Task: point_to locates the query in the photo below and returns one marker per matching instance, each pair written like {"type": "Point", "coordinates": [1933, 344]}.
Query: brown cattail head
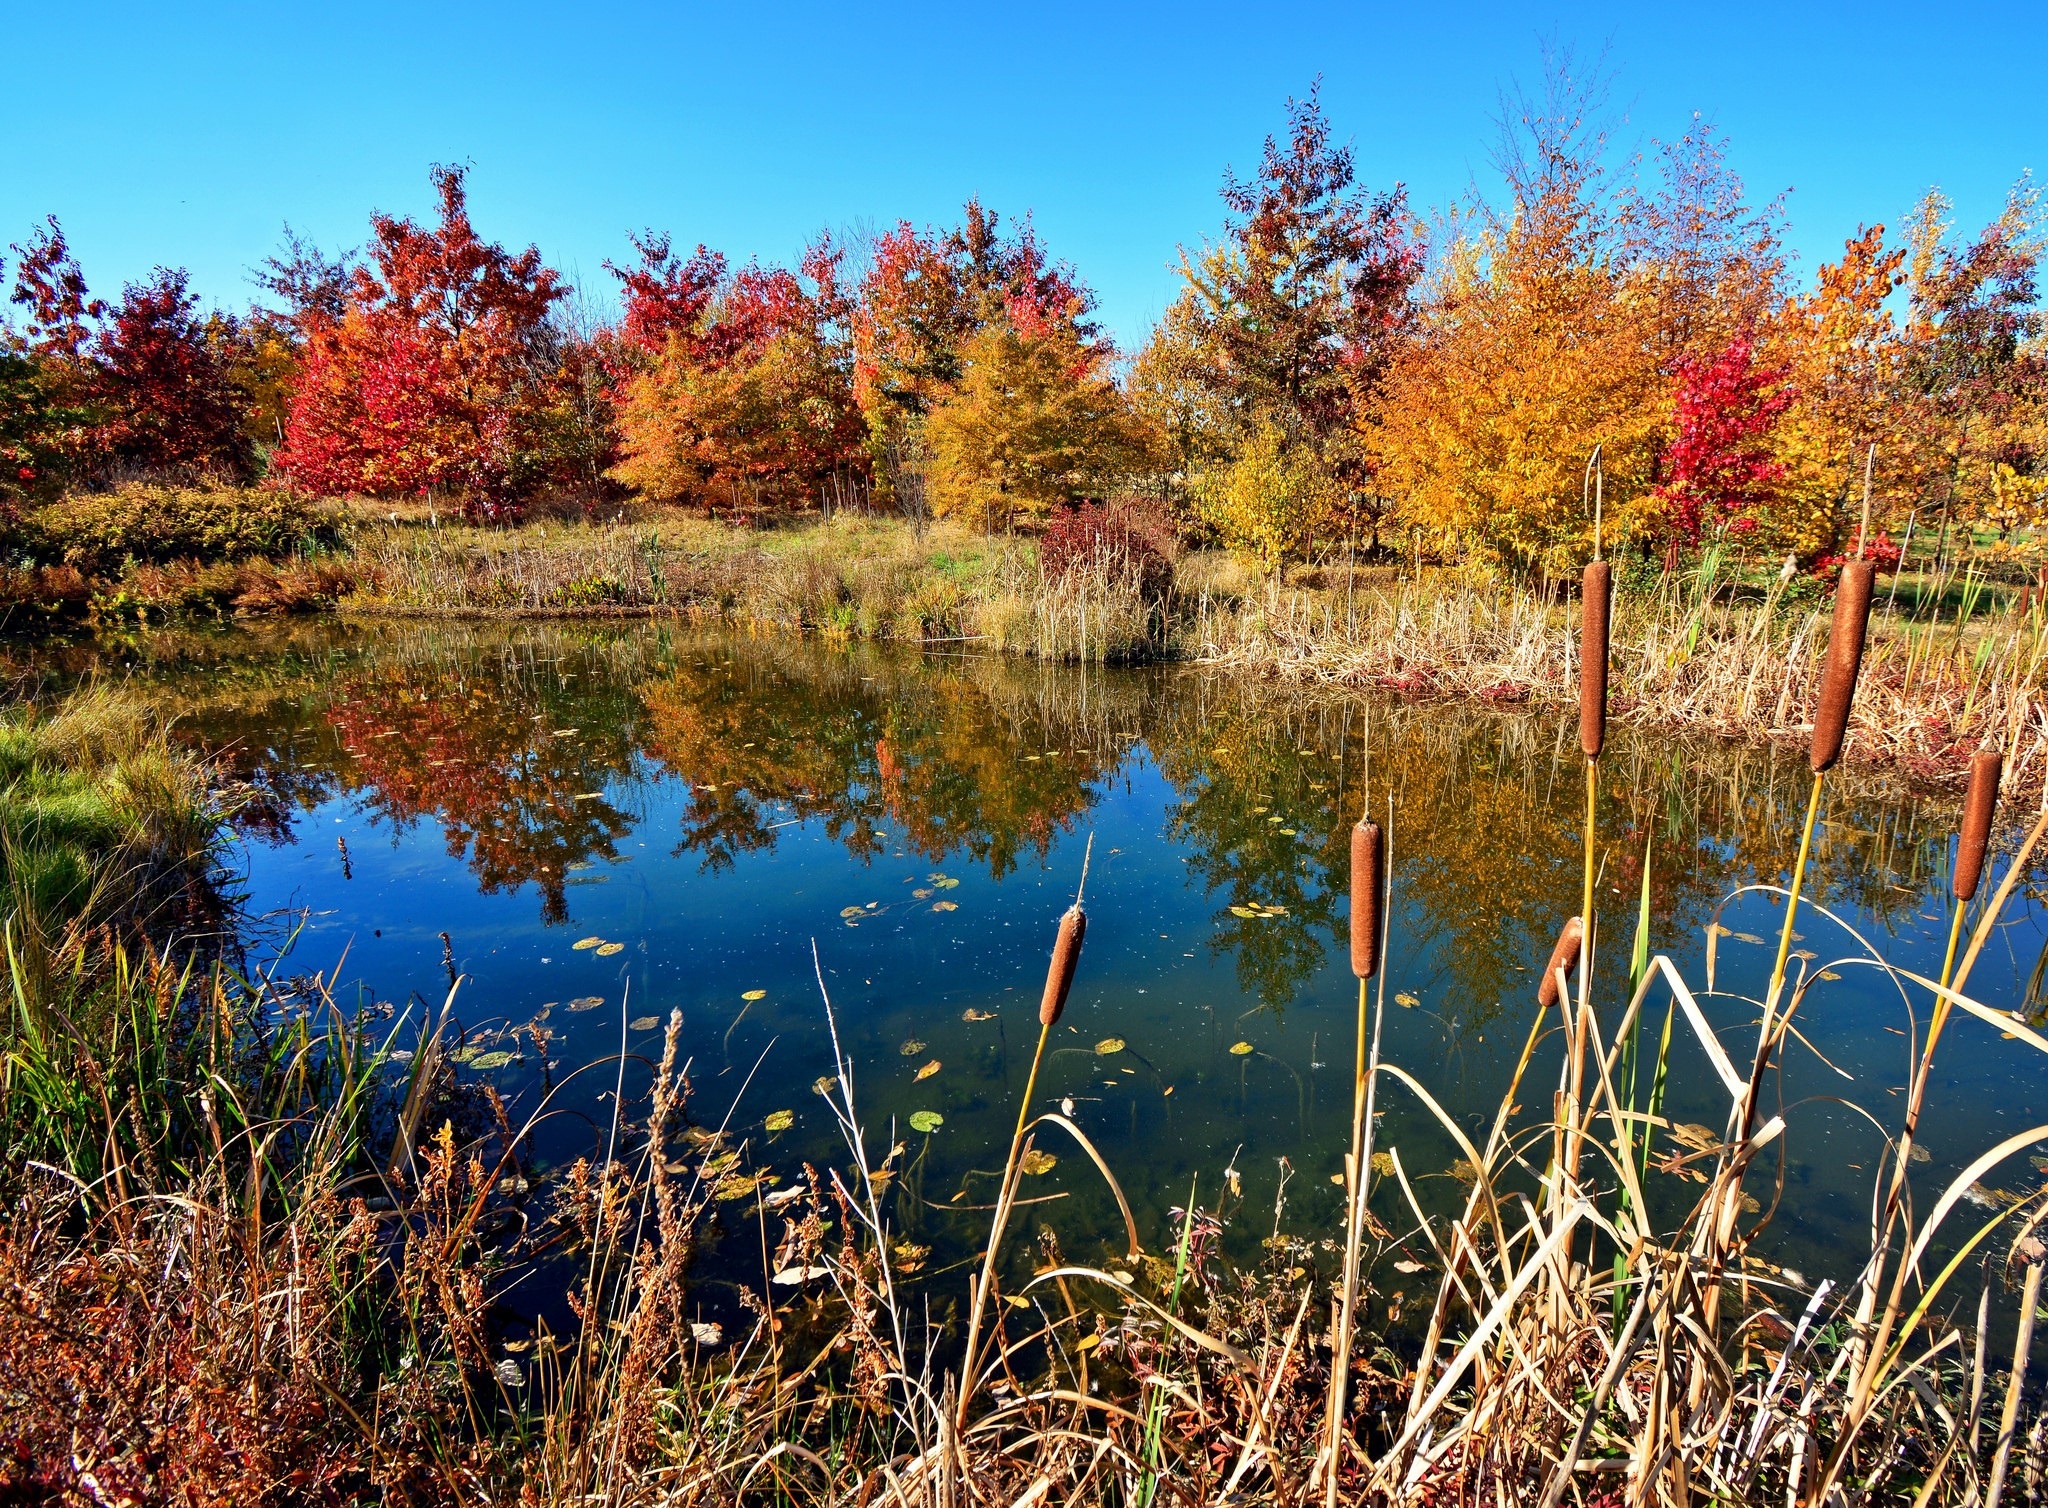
{"type": "Point", "coordinates": [1986, 766]}
{"type": "Point", "coordinates": [1368, 883]}
{"type": "Point", "coordinates": [1066, 955]}
{"type": "Point", "coordinates": [1845, 659]}
{"type": "Point", "coordinates": [1565, 956]}
{"type": "Point", "coordinates": [1594, 609]}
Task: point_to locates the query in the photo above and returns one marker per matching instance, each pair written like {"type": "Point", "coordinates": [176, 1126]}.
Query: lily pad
{"type": "Point", "coordinates": [1109, 1045]}
{"type": "Point", "coordinates": [926, 1121]}
{"type": "Point", "coordinates": [779, 1120]}
{"type": "Point", "coordinates": [944, 906]}
{"type": "Point", "coordinates": [1240, 1049]}
{"type": "Point", "coordinates": [1036, 1162]}
{"type": "Point", "coordinates": [486, 1061]}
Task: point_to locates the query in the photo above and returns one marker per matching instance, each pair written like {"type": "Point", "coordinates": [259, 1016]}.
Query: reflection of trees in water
{"type": "Point", "coordinates": [465, 726]}
{"type": "Point", "coordinates": [949, 757]}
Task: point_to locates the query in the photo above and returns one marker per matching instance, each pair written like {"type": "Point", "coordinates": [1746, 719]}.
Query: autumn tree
{"type": "Point", "coordinates": [1534, 347]}
{"type": "Point", "coordinates": [737, 389]}
{"type": "Point", "coordinates": [436, 376]}
{"type": "Point", "coordinates": [1035, 421]}
{"type": "Point", "coordinates": [1720, 468]}
{"type": "Point", "coordinates": [1284, 328]}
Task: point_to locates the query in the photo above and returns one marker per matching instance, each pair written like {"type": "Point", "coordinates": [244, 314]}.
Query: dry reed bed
{"type": "Point", "coordinates": [1929, 695]}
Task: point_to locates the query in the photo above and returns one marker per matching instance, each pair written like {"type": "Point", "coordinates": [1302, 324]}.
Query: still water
{"type": "Point", "coordinates": [598, 825]}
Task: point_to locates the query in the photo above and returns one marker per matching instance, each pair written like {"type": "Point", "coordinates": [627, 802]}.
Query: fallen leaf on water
{"type": "Point", "coordinates": [1383, 1164]}
{"type": "Point", "coordinates": [1244, 911]}
{"type": "Point", "coordinates": [911, 1048]}
{"type": "Point", "coordinates": [1829, 974]}
{"type": "Point", "coordinates": [922, 893]}
{"type": "Point", "coordinates": [1109, 1045]}
{"type": "Point", "coordinates": [587, 942]}
{"type": "Point", "coordinates": [1036, 1161]}
{"type": "Point", "coordinates": [791, 1276]}
{"type": "Point", "coordinates": [1406, 1266]}
{"type": "Point", "coordinates": [489, 1060]}
{"type": "Point", "coordinates": [1118, 1275]}
{"type": "Point", "coordinates": [737, 1188]}
{"type": "Point", "coordinates": [848, 911]}
{"type": "Point", "coordinates": [1338, 1179]}
{"type": "Point", "coordinates": [1287, 832]}
{"type": "Point", "coordinates": [927, 1071]}
{"type": "Point", "coordinates": [780, 1197]}
{"type": "Point", "coordinates": [586, 1002]}
{"type": "Point", "coordinates": [944, 906]}
{"type": "Point", "coordinates": [779, 1120]}
{"type": "Point", "coordinates": [1404, 998]}
{"type": "Point", "coordinates": [971, 1014]}
{"type": "Point", "coordinates": [1240, 1049]}
{"type": "Point", "coordinates": [947, 882]}
{"type": "Point", "coordinates": [610, 948]}
{"type": "Point", "coordinates": [824, 1084]}
{"type": "Point", "coordinates": [926, 1121]}
{"type": "Point", "coordinates": [1088, 1343]}
{"type": "Point", "coordinates": [1017, 1301]}
{"type": "Point", "coordinates": [1745, 937]}
{"type": "Point", "coordinates": [754, 995]}
{"type": "Point", "coordinates": [706, 1334]}
{"type": "Point", "coordinates": [643, 1023]}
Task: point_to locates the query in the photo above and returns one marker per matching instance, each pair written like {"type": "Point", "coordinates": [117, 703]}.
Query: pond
{"type": "Point", "coordinates": [596, 825]}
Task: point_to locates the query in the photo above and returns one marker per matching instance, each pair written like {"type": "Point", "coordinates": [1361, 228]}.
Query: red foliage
{"type": "Point", "coordinates": [665, 297]}
{"type": "Point", "coordinates": [172, 404]}
{"type": "Point", "coordinates": [1720, 464]}
{"type": "Point", "coordinates": [48, 282]}
{"type": "Point", "coordinates": [1114, 539]}
{"type": "Point", "coordinates": [1882, 550]}
{"type": "Point", "coordinates": [437, 376]}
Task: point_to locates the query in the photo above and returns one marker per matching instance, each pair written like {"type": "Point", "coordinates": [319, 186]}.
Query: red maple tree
{"type": "Point", "coordinates": [1719, 465]}
{"type": "Point", "coordinates": [438, 375]}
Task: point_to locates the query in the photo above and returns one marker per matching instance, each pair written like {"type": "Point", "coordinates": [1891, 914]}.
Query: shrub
{"type": "Point", "coordinates": [1116, 540]}
{"type": "Point", "coordinates": [96, 532]}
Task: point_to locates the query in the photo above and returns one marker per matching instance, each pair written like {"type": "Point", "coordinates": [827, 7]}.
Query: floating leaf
{"type": "Point", "coordinates": [737, 1188]}
{"type": "Point", "coordinates": [1240, 1049]}
{"type": "Point", "coordinates": [1829, 974]}
{"type": "Point", "coordinates": [754, 995]}
{"type": "Point", "coordinates": [1404, 998]}
{"type": "Point", "coordinates": [610, 948]}
{"type": "Point", "coordinates": [643, 1023]}
{"type": "Point", "coordinates": [849, 911]}
{"type": "Point", "coordinates": [1338, 1179]}
{"type": "Point", "coordinates": [947, 882]}
{"type": "Point", "coordinates": [922, 893]}
{"type": "Point", "coordinates": [926, 1121]}
{"type": "Point", "coordinates": [1244, 910]}
{"type": "Point", "coordinates": [1036, 1161]}
{"type": "Point", "coordinates": [1118, 1275]}
{"type": "Point", "coordinates": [1017, 1301]}
{"type": "Point", "coordinates": [1109, 1045]}
{"type": "Point", "coordinates": [944, 906]}
{"type": "Point", "coordinates": [486, 1061]}
{"type": "Point", "coordinates": [1088, 1343]}
{"type": "Point", "coordinates": [588, 942]}
{"type": "Point", "coordinates": [780, 1197]}
{"type": "Point", "coordinates": [705, 1334]}
{"type": "Point", "coordinates": [971, 1014]}
{"type": "Point", "coordinates": [1745, 937]}
{"type": "Point", "coordinates": [791, 1276]}
{"type": "Point", "coordinates": [824, 1083]}
{"type": "Point", "coordinates": [1406, 1266]}
{"type": "Point", "coordinates": [1288, 832]}
{"type": "Point", "coordinates": [1260, 811]}
{"type": "Point", "coordinates": [1383, 1164]}
{"type": "Point", "coordinates": [911, 1048]}
{"type": "Point", "coordinates": [927, 1071]}
{"type": "Point", "coordinates": [779, 1120]}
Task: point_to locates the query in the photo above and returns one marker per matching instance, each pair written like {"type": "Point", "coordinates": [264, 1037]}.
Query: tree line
{"type": "Point", "coordinates": [1336, 364]}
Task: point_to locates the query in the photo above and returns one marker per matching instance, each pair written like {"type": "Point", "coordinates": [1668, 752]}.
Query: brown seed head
{"type": "Point", "coordinates": [1066, 955]}
{"type": "Point", "coordinates": [1986, 766]}
{"type": "Point", "coordinates": [1564, 956]}
{"type": "Point", "coordinates": [1368, 883]}
{"type": "Point", "coordinates": [1845, 659]}
{"type": "Point", "coordinates": [1595, 616]}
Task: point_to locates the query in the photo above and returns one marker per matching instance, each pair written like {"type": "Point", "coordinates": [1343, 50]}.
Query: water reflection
{"type": "Point", "coordinates": [712, 802]}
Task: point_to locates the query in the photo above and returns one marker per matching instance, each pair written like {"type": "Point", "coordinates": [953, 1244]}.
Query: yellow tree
{"type": "Point", "coordinates": [1266, 502]}
{"type": "Point", "coordinates": [1536, 345]}
{"type": "Point", "coordinates": [1035, 421]}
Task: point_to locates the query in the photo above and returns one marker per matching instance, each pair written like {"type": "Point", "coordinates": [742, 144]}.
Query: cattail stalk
{"type": "Point", "coordinates": [1059, 979]}
{"type": "Point", "coordinates": [1844, 662]}
{"type": "Point", "coordinates": [1595, 624]}
{"type": "Point", "coordinates": [1368, 887]}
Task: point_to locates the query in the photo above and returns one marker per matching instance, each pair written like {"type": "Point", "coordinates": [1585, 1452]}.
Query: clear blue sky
{"type": "Point", "coordinates": [188, 135]}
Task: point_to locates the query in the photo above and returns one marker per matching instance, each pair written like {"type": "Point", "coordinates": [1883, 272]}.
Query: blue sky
{"type": "Point", "coordinates": [188, 135]}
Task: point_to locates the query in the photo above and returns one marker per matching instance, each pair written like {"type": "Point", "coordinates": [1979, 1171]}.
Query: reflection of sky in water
{"type": "Point", "coordinates": [715, 803]}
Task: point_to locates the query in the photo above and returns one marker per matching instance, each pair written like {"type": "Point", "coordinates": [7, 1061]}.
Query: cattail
{"type": "Point", "coordinates": [1845, 659]}
{"type": "Point", "coordinates": [1368, 880]}
{"type": "Point", "coordinates": [1593, 625]}
{"type": "Point", "coordinates": [1565, 957]}
{"type": "Point", "coordinates": [1066, 955]}
{"type": "Point", "coordinates": [1986, 765]}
